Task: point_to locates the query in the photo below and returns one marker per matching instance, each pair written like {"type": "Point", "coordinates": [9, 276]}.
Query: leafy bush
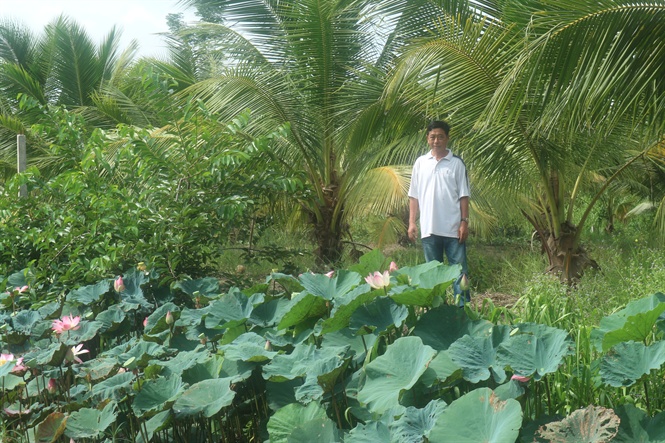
{"type": "Point", "coordinates": [168, 197]}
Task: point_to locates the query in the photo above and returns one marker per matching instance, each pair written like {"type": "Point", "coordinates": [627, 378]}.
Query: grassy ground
{"type": "Point", "coordinates": [504, 270]}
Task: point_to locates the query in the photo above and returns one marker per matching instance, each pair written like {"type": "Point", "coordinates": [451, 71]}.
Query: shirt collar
{"type": "Point", "coordinates": [447, 157]}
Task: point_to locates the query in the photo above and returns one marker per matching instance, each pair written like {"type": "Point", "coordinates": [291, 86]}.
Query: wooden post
{"type": "Point", "coordinates": [21, 162]}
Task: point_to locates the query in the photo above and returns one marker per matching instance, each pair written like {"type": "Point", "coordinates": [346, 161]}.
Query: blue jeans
{"type": "Point", "coordinates": [434, 247]}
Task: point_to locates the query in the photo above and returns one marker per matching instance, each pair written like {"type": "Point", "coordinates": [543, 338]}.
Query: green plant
{"type": "Point", "coordinates": [314, 358]}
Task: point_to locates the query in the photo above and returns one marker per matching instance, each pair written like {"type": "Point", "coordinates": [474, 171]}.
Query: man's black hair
{"type": "Point", "coordinates": [438, 124]}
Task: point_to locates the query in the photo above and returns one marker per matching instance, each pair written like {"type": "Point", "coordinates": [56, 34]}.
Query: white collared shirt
{"type": "Point", "coordinates": [438, 187]}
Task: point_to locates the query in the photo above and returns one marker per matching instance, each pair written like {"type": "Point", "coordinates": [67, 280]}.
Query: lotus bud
{"type": "Point", "coordinates": [240, 269]}
{"type": "Point", "coordinates": [464, 283]}
{"type": "Point", "coordinates": [329, 274]}
{"type": "Point", "coordinates": [118, 284]}
{"type": "Point", "coordinates": [145, 322]}
{"type": "Point", "coordinates": [169, 318]}
{"type": "Point", "coordinates": [51, 386]}
{"type": "Point", "coordinates": [268, 346]}
{"type": "Point", "coordinates": [141, 267]}
{"type": "Point", "coordinates": [393, 267]}
{"type": "Point", "coordinates": [520, 378]}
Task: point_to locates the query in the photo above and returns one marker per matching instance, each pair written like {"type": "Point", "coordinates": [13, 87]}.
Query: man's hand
{"type": "Point", "coordinates": [463, 231]}
{"type": "Point", "coordinates": [413, 232]}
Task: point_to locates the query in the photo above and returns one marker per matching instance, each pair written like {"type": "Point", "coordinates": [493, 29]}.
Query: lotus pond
{"type": "Point", "coordinates": [317, 358]}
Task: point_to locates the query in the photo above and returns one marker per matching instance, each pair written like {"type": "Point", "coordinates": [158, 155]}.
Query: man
{"type": "Point", "coordinates": [439, 191]}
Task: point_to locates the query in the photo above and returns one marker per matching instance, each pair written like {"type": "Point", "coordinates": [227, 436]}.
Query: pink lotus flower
{"type": "Point", "coordinates": [19, 368]}
{"type": "Point", "coordinates": [118, 284]}
{"type": "Point", "coordinates": [169, 318]}
{"type": "Point", "coordinates": [74, 352]}
{"type": "Point", "coordinates": [6, 358]}
{"type": "Point", "coordinates": [70, 323]}
{"type": "Point", "coordinates": [329, 274]}
{"type": "Point", "coordinates": [378, 280]}
{"type": "Point", "coordinates": [520, 378]}
{"type": "Point", "coordinates": [393, 267]}
{"type": "Point", "coordinates": [51, 386]}
{"type": "Point", "coordinates": [21, 290]}
{"type": "Point", "coordinates": [464, 283]}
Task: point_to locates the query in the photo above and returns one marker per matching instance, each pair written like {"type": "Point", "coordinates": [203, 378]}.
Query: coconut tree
{"type": "Point", "coordinates": [319, 66]}
{"type": "Point", "coordinates": [550, 99]}
{"type": "Point", "coordinates": [62, 66]}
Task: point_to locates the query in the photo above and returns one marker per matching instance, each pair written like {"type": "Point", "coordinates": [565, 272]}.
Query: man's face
{"type": "Point", "coordinates": [437, 139]}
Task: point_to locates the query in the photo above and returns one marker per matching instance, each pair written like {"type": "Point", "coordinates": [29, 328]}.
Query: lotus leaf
{"type": "Point", "coordinates": [288, 419]}
{"type": "Point", "coordinates": [358, 344]}
{"type": "Point", "coordinates": [156, 322]}
{"type": "Point", "coordinates": [208, 286]}
{"type": "Point", "coordinates": [320, 367]}
{"type": "Point", "coordinates": [301, 308]}
{"type": "Point", "coordinates": [183, 361]}
{"type": "Point", "coordinates": [594, 424]}
{"type": "Point", "coordinates": [248, 347]}
{"type": "Point", "coordinates": [441, 369]}
{"type": "Point", "coordinates": [378, 316]}
{"type": "Point", "coordinates": [536, 350]}
{"type": "Point", "coordinates": [90, 423]}
{"type": "Point", "coordinates": [156, 423]}
{"type": "Point", "coordinates": [344, 307]}
{"type": "Point", "coordinates": [330, 288]}
{"type": "Point", "coordinates": [282, 393]}
{"type": "Point", "coordinates": [269, 313]}
{"type": "Point", "coordinates": [51, 428]}
{"type": "Point", "coordinates": [207, 397]}
{"type": "Point", "coordinates": [370, 262]}
{"type": "Point", "coordinates": [477, 355]}
{"type": "Point", "coordinates": [110, 319]}
{"type": "Point", "coordinates": [24, 321]}
{"type": "Point", "coordinates": [636, 425]}
{"type": "Point", "coordinates": [204, 369]}
{"type": "Point", "coordinates": [321, 430]}
{"type": "Point", "coordinates": [53, 355]}
{"type": "Point", "coordinates": [371, 432]}
{"type": "Point", "coordinates": [115, 387]}
{"type": "Point", "coordinates": [231, 309]}
{"type": "Point", "coordinates": [390, 374]}
{"type": "Point", "coordinates": [87, 331]}
{"type": "Point", "coordinates": [627, 362]}
{"type": "Point", "coordinates": [440, 327]}
{"type": "Point", "coordinates": [413, 273]}
{"type": "Point", "coordinates": [287, 282]}
{"type": "Point", "coordinates": [157, 395]}
{"type": "Point", "coordinates": [87, 295]}
{"type": "Point", "coordinates": [478, 416]}
{"type": "Point", "coordinates": [634, 322]}
{"type": "Point", "coordinates": [416, 424]}
{"type": "Point", "coordinates": [141, 353]}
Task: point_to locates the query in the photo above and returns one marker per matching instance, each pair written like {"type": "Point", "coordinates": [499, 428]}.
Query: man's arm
{"type": "Point", "coordinates": [463, 231]}
{"type": "Point", "coordinates": [413, 216]}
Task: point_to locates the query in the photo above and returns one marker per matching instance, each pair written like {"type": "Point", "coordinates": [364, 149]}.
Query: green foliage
{"type": "Point", "coordinates": [169, 198]}
{"type": "Point", "coordinates": [241, 362]}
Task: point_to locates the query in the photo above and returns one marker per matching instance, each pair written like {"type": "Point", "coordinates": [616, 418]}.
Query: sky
{"type": "Point", "coordinates": [137, 19]}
